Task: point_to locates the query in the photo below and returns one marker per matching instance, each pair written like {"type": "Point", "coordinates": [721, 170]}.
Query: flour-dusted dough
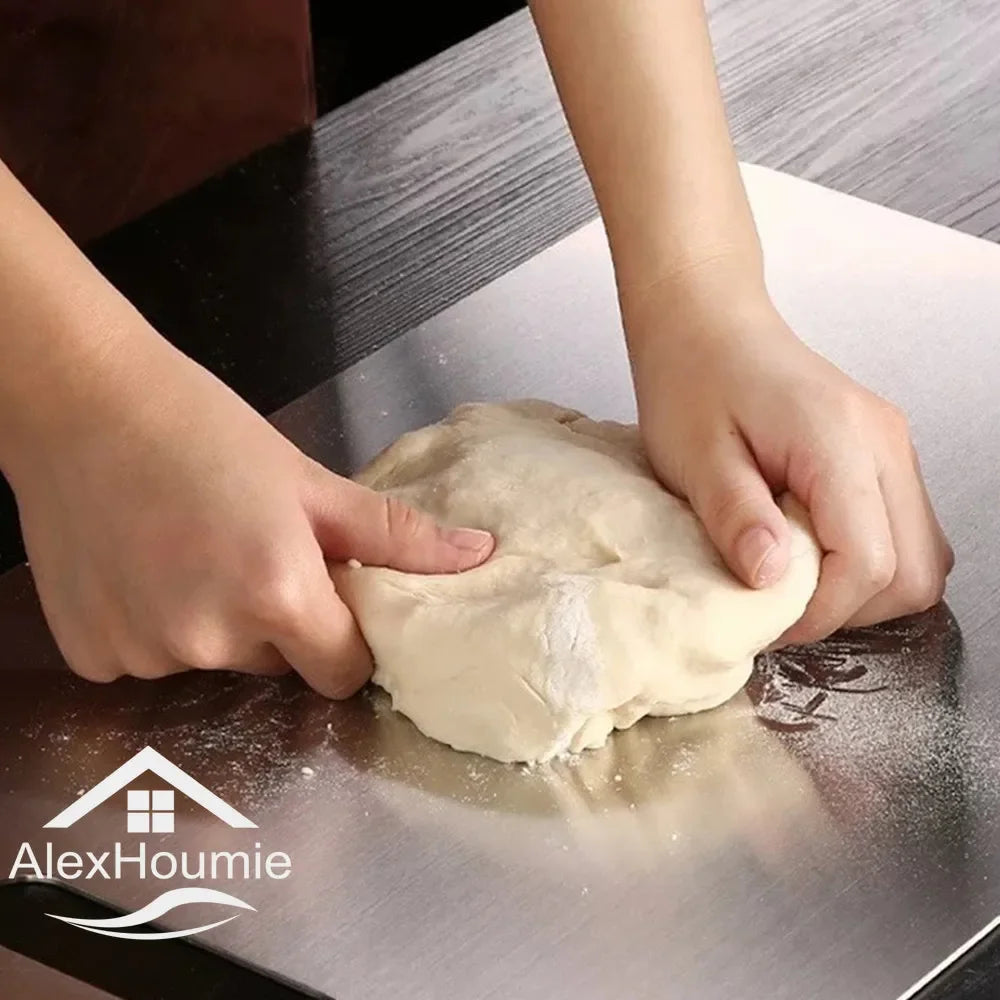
{"type": "Point", "coordinates": [605, 600]}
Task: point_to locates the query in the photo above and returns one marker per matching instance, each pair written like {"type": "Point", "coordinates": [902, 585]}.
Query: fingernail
{"type": "Point", "coordinates": [469, 539]}
{"type": "Point", "coordinates": [757, 553]}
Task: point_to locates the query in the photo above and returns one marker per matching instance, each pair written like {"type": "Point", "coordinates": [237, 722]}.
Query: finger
{"type": "Point", "coordinates": [734, 503]}
{"type": "Point", "coordinates": [262, 660]}
{"type": "Point", "coordinates": [325, 645]}
{"type": "Point", "coordinates": [849, 517]}
{"type": "Point", "coordinates": [82, 655]}
{"type": "Point", "coordinates": [138, 656]}
{"type": "Point", "coordinates": [98, 671]}
{"type": "Point", "coordinates": [353, 522]}
{"type": "Point", "coordinates": [214, 641]}
{"type": "Point", "coordinates": [266, 661]}
{"type": "Point", "coordinates": [923, 556]}
{"type": "Point", "coordinates": [150, 667]}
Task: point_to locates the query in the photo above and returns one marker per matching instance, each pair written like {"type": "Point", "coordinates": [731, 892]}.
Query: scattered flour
{"type": "Point", "coordinates": [573, 668]}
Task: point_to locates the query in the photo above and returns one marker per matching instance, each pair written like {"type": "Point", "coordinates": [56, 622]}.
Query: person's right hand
{"type": "Point", "coordinates": [170, 527]}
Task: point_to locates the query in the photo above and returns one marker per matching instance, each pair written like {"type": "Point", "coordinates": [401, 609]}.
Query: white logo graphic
{"type": "Point", "coordinates": [152, 811]}
{"type": "Point", "coordinates": [143, 817]}
{"type": "Point", "coordinates": [161, 905]}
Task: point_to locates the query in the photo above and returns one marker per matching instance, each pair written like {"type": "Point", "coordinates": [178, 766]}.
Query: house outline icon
{"type": "Point", "coordinates": [145, 760]}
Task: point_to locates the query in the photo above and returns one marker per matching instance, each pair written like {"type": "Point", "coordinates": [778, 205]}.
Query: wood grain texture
{"type": "Point", "coordinates": [895, 102]}
{"type": "Point", "coordinates": [314, 253]}
{"type": "Point", "coordinates": [422, 190]}
{"type": "Point", "coordinates": [318, 251]}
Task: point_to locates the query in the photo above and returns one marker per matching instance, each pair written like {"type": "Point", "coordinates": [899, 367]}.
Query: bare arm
{"type": "Point", "coordinates": [63, 328]}
{"type": "Point", "coordinates": [637, 80]}
{"type": "Point", "coordinates": [733, 407]}
{"type": "Point", "coordinates": [168, 525]}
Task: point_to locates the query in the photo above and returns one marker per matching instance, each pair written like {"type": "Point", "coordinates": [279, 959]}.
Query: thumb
{"type": "Point", "coordinates": [354, 522]}
{"type": "Point", "coordinates": [735, 505]}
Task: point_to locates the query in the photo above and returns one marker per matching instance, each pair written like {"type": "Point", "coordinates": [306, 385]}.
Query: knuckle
{"type": "Point", "coordinates": [344, 668]}
{"type": "Point", "coordinates": [274, 590]}
{"type": "Point", "coordinates": [728, 508]}
{"type": "Point", "coordinates": [948, 559]}
{"type": "Point", "coordinates": [862, 412]}
{"type": "Point", "coordinates": [338, 679]}
{"type": "Point", "coordinates": [201, 647]}
{"type": "Point", "coordinates": [812, 627]}
{"type": "Point", "coordinates": [921, 588]}
{"type": "Point", "coordinates": [896, 422]}
{"type": "Point", "coordinates": [811, 474]}
{"type": "Point", "coordinates": [89, 664]}
{"type": "Point", "coordinates": [275, 668]}
{"type": "Point", "coordinates": [345, 684]}
{"type": "Point", "coordinates": [278, 602]}
{"type": "Point", "coordinates": [146, 669]}
{"type": "Point", "coordinates": [403, 522]}
{"type": "Point", "coordinates": [876, 566]}
{"type": "Point", "coordinates": [97, 673]}
{"type": "Point", "coordinates": [852, 410]}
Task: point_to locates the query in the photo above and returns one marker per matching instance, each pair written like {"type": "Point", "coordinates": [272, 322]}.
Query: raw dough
{"type": "Point", "coordinates": [605, 600]}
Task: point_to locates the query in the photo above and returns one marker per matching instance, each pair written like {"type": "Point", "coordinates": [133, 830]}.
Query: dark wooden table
{"type": "Point", "coordinates": [314, 253]}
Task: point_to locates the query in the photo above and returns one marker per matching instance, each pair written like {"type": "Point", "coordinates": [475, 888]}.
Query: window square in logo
{"type": "Point", "coordinates": [138, 822]}
{"type": "Point", "coordinates": [138, 799]}
{"type": "Point", "coordinates": [163, 801]}
{"type": "Point", "coordinates": [163, 822]}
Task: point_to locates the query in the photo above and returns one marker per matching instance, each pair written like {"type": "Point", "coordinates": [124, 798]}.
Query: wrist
{"type": "Point", "coordinates": [688, 332]}
{"type": "Point", "coordinates": [695, 283]}
{"type": "Point", "coordinates": [74, 391]}
{"type": "Point", "coordinates": [713, 301]}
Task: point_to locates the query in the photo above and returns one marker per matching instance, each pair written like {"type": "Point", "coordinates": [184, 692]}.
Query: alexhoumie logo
{"type": "Point", "coordinates": [151, 812]}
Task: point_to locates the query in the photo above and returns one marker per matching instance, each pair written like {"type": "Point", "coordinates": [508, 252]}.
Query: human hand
{"type": "Point", "coordinates": [734, 409]}
{"type": "Point", "coordinates": [169, 527]}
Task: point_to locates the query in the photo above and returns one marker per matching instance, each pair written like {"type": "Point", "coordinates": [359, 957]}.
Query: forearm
{"type": "Point", "coordinates": [64, 330]}
{"type": "Point", "coordinates": [637, 79]}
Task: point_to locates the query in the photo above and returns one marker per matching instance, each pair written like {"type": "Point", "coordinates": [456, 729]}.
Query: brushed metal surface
{"type": "Point", "coordinates": [830, 833]}
{"type": "Point", "coordinates": [24, 979]}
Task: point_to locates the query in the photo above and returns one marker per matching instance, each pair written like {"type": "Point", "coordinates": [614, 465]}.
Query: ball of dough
{"type": "Point", "coordinates": [604, 601]}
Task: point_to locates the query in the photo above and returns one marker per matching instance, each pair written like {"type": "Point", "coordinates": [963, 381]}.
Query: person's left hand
{"type": "Point", "coordinates": [734, 409]}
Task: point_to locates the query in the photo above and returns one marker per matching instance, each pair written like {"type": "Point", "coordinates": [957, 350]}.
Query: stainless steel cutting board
{"type": "Point", "coordinates": [24, 979]}
{"type": "Point", "coordinates": [830, 834]}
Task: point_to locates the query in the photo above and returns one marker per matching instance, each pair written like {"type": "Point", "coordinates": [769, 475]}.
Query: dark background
{"type": "Point", "coordinates": [357, 46]}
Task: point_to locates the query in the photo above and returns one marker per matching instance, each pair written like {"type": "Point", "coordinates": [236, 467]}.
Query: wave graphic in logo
{"type": "Point", "coordinates": [112, 926]}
